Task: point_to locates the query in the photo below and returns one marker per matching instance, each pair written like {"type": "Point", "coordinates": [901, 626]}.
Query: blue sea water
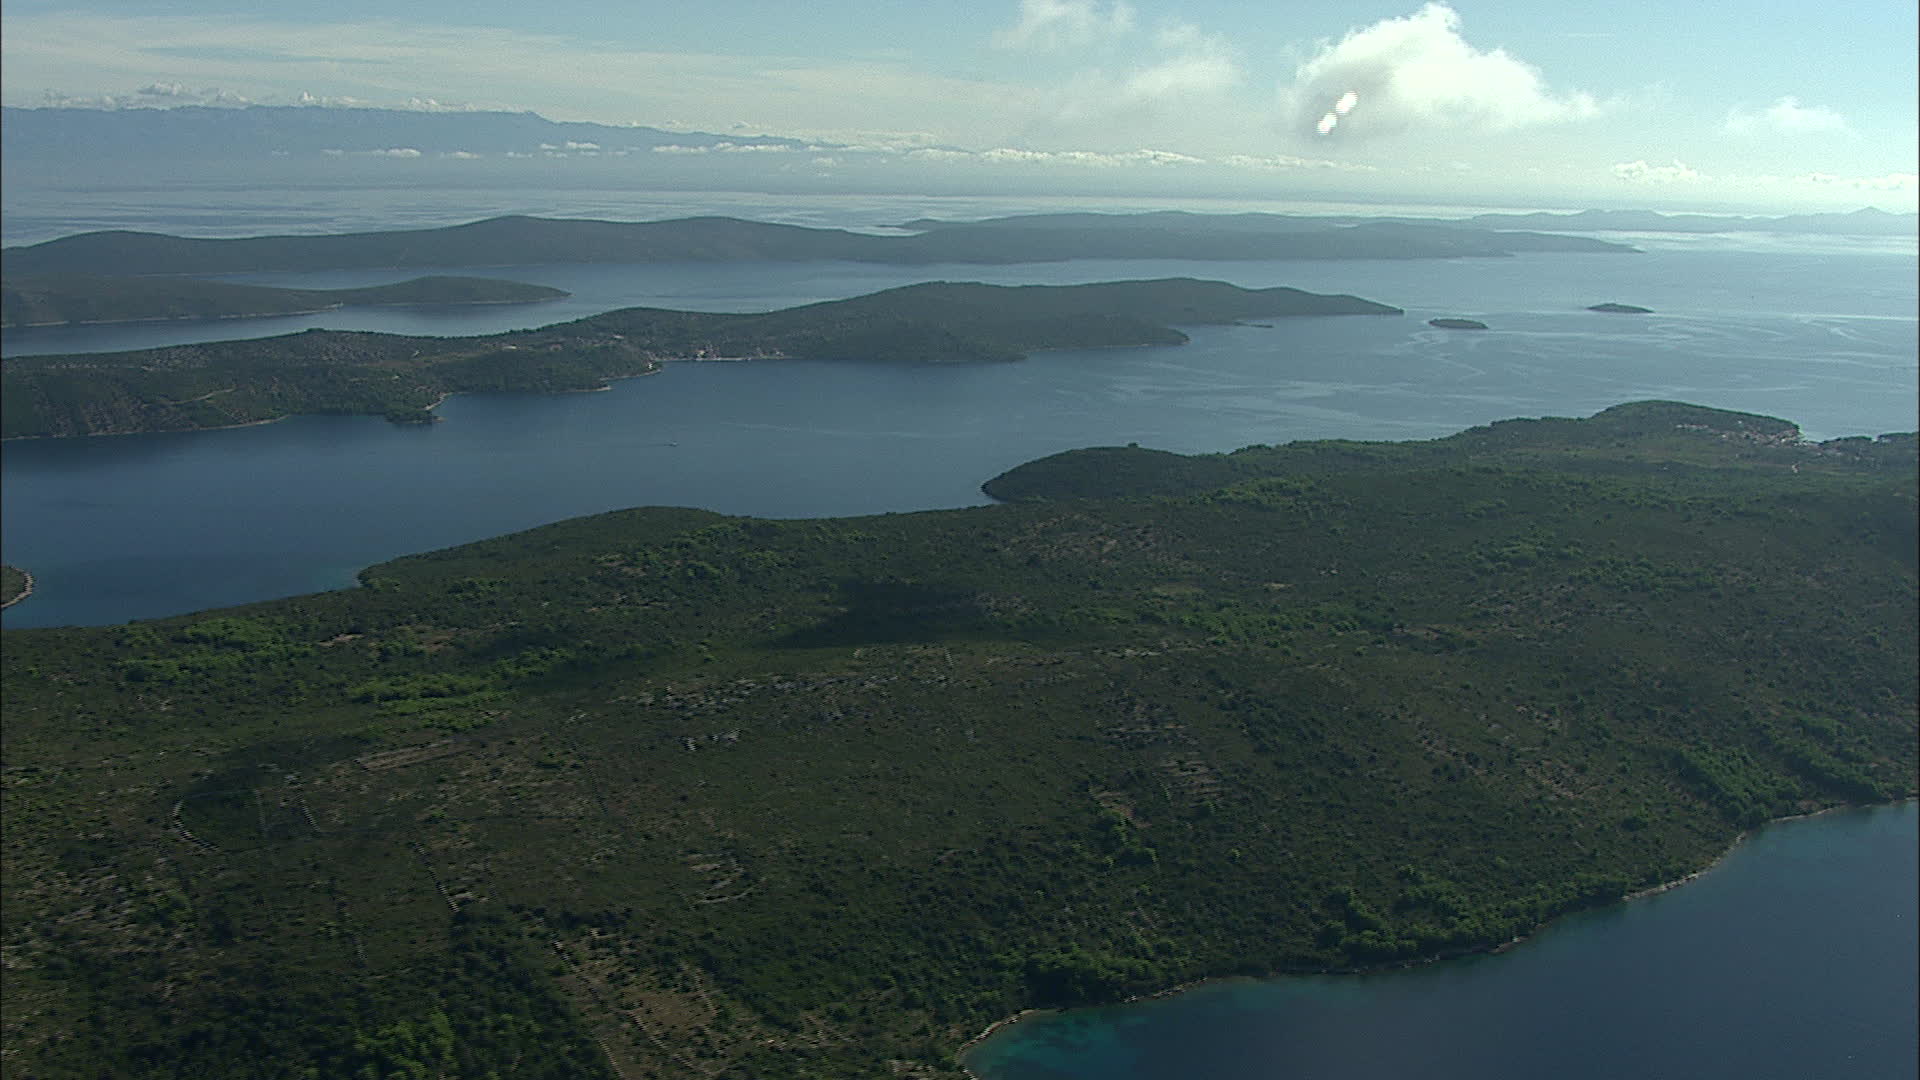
{"type": "Point", "coordinates": [130, 527]}
{"type": "Point", "coordinates": [1791, 960]}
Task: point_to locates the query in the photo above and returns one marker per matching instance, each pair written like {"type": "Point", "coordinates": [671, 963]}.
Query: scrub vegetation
{"type": "Point", "coordinates": [665, 793]}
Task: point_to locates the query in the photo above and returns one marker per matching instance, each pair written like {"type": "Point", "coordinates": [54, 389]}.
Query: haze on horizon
{"type": "Point", "coordinates": [1759, 107]}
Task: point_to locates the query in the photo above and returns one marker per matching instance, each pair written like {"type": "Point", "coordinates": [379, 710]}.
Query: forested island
{"type": "Point", "coordinates": [59, 299]}
{"type": "Point", "coordinates": [528, 240]}
{"type": "Point", "coordinates": [660, 793]}
{"type": "Point", "coordinates": [222, 384]}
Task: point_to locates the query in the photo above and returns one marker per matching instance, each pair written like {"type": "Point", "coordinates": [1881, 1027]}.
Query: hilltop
{"type": "Point", "coordinates": [321, 371]}
{"type": "Point", "coordinates": [661, 793]}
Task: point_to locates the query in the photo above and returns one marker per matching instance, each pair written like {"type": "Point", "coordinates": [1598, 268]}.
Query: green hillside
{"type": "Point", "coordinates": [664, 793]}
{"type": "Point", "coordinates": [319, 371]}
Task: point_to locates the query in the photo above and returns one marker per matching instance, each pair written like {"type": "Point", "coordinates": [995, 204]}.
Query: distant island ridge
{"type": "Point", "coordinates": [1457, 324]}
{"type": "Point", "coordinates": [222, 384]}
{"type": "Point", "coordinates": [1621, 309]}
{"type": "Point", "coordinates": [516, 240]}
{"type": "Point", "coordinates": [65, 299]}
{"type": "Point", "coordinates": [1867, 221]}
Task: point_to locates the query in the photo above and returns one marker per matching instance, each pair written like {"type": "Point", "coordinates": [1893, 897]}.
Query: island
{"type": "Point", "coordinates": [222, 384]}
{"type": "Point", "coordinates": [665, 793]}
{"type": "Point", "coordinates": [1621, 309]}
{"type": "Point", "coordinates": [524, 241]}
{"type": "Point", "coordinates": [1457, 324]}
{"type": "Point", "coordinates": [61, 299]}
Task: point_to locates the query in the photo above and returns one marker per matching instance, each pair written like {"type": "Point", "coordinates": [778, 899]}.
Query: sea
{"type": "Point", "coordinates": [1821, 331]}
{"type": "Point", "coordinates": [1793, 959]}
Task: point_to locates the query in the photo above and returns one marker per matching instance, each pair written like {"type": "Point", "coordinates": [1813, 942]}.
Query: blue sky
{"type": "Point", "coordinates": [1761, 103]}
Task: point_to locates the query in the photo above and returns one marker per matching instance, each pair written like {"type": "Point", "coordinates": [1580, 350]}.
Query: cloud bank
{"type": "Point", "coordinates": [1639, 172]}
{"type": "Point", "coordinates": [1053, 24]}
{"type": "Point", "coordinates": [1785, 117]}
{"type": "Point", "coordinates": [1418, 73]}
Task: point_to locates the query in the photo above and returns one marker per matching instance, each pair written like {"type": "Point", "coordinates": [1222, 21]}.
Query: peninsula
{"type": "Point", "coordinates": [15, 585]}
{"type": "Point", "coordinates": [222, 384]}
{"type": "Point", "coordinates": [57, 299]}
{"type": "Point", "coordinates": [666, 793]}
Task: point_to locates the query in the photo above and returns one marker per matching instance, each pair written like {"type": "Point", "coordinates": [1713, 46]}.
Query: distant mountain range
{"type": "Point", "coordinates": [529, 240]}
{"type": "Point", "coordinates": [1864, 222]}
{"type": "Point", "coordinates": [274, 147]}
{"type": "Point", "coordinates": [260, 130]}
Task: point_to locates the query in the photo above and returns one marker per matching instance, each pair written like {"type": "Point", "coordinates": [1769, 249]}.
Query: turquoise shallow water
{"type": "Point", "coordinates": [1794, 959]}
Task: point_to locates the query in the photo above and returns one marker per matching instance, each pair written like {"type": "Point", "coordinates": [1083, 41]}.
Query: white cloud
{"type": "Point", "coordinates": [1640, 172]}
{"type": "Point", "coordinates": [328, 101]}
{"type": "Point", "coordinates": [392, 62]}
{"type": "Point", "coordinates": [732, 148]}
{"type": "Point", "coordinates": [1053, 24]}
{"type": "Point", "coordinates": [390, 152]}
{"type": "Point", "coordinates": [1785, 117]}
{"type": "Point", "coordinates": [1899, 181]}
{"type": "Point", "coordinates": [571, 145]}
{"type": "Point", "coordinates": [1289, 163]}
{"type": "Point", "coordinates": [152, 95]}
{"type": "Point", "coordinates": [1139, 85]}
{"type": "Point", "coordinates": [1418, 73]}
{"type": "Point", "coordinates": [1200, 65]}
{"type": "Point", "coordinates": [934, 153]}
{"type": "Point", "coordinates": [1006, 155]}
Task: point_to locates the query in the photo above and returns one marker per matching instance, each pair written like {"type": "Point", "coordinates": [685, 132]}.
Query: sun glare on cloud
{"type": "Point", "coordinates": [1340, 108]}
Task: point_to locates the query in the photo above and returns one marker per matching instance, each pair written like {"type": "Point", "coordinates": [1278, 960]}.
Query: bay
{"type": "Point", "coordinates": [1793, 959]}
{"type": "Point", "coordinates": [128, 527]}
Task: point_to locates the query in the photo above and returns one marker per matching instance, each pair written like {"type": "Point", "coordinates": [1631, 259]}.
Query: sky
{"type": "Point", "coordinates": [1761, 103]}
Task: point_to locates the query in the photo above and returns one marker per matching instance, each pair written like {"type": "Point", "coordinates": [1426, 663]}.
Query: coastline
{"type": "Point", "coordinates": [1484, 950]}
{"type": "Point", "coordinates": [277, 314]}
{"type": "Point", "coordinates": [25, 592]}
{"type": "Point", "coordinates": [659, 366]}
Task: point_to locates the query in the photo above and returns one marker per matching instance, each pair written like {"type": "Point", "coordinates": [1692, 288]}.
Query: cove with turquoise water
{"type": "Point", "coordinates": [1793, 959]}
{"type": "Point", "coordinates": [140, 526]}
